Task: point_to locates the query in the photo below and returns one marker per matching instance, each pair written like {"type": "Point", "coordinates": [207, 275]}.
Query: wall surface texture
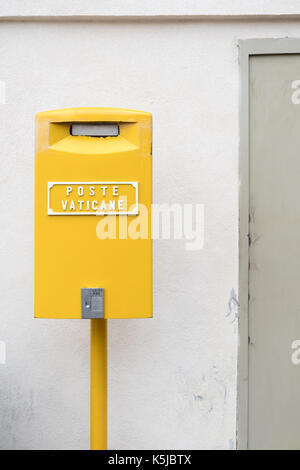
{"type": "Point", "coordinates": [172, 379]}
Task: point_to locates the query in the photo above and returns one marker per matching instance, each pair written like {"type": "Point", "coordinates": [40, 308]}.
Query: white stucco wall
{"type": "Point", "coordinates": [142, 8]}
{"type": "Point", "coordinates": [172, 379]}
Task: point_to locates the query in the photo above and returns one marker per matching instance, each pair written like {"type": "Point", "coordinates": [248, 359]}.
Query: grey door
{"type": "Point", "coordinates": [274, 252]}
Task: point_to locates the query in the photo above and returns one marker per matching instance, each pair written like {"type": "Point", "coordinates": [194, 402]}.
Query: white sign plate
{"type": "Point", "coordinates": [93, 198]}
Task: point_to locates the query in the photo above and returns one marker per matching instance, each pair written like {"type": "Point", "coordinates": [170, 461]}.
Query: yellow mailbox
{"type": "Point", "coordinates": [93, 191]}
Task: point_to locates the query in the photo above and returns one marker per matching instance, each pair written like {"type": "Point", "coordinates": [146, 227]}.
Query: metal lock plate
{"type": "Point", "coordinates": [92, 303]}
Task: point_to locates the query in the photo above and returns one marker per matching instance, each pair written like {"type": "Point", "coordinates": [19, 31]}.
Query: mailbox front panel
{"type": "Point", "coordinates": [93, 215]}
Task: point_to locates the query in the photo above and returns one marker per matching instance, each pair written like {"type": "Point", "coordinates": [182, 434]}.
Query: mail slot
{"type": "Point", "coordinates": [93, 189]}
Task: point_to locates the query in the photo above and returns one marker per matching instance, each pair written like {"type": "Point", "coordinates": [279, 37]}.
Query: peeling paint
{"type": "Point", "coordinates": [213, 393]}
{"type": "Point", "coordinates": [198, 397]}
{"type": "Point", "coordinates": [233, 305]}
{"type": "Point", "coordinates": [231, 444]}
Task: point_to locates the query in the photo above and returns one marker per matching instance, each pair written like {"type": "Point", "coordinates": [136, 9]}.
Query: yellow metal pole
{"type": "Point", "coordinates": [98, 384]}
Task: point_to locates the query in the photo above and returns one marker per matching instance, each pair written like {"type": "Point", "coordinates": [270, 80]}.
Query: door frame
{"type": "Point", "coordinates": [248, 48]}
